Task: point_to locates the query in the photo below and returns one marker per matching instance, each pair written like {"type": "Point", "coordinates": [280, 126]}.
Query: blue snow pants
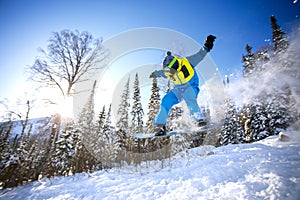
{"type": "Point", "coordinates": [187, 92]}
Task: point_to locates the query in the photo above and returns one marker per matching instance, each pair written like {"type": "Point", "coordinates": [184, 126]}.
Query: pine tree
{"type": "Point", "coordinates": [249, 61]}
{"type": "Point", "coordinates": [137, 109]}
{"type": "Point", "coordinates": [122, 126]}
{"type": "Point", "coordinates": [80, 157]}
{"type": "Point", "coordinates": [153, 108]}
{"type": "Point", "coordinates": [107, 129]}
{"type": "Point", "coordinates": [258, 120]}
{"type": "Point", "coordinates": [254, 64]}
{"type": "Point", "coordinates": [278, 101]}
{"type": "Point", "coordinates": [42, 159]}
{"type": "Point", "coordinates": [7, 162]}
{"type": "Point", "coordinates": [280, 42]}
{"type": "Point", "coordinates": [88, 135]}
{"type": "Point", "coordinates": [9, 174]}
{"type": "Point", "coordinates": [153, 105]}
{"type": "Point", "coordinates": [262, 57]}
{"type": "Point", "coordinates": [65, 151]}
{"type": "Point", "coordinates": [279, 116]}
{"type": "Point", "coordinates": [25, 157]}
{"type": "Point", "coordinates": [49, 149]}
{"type": "Point", "coordinates": [4, 144]}
{"type": "Point", "coordinates": [232, 131]}
{"type": "Point", "coordinates": [101, 139]}
{"type": "Point", "coordinates": [33, 161]}
{"type": "Point", "coordinates": [86, 126]}
{"type": "Point", "coordinates": [86, 117]}
{"type": "Point", "coordinates": [101, 119]}
{"type": "Point", "coordinates": [83, 160]}
{"type": "Point", "coordinates": [110, 148]}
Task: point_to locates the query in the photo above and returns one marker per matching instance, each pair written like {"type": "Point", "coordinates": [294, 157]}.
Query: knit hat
{"type": "Point", "coordinates": [171, 62]}
{"type": "Point", "coordinates": [168, 59]}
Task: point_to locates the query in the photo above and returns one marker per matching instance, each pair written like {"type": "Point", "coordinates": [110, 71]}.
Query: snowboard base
{"type": "Point", "coordinates": [170, 133]}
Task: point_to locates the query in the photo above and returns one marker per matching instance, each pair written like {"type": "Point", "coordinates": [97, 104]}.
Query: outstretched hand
{"type": "Point", "coordinates": [159, 73]}
{"type": "Point", "coordinates": [152, 75]}
{"type": "Point", "coordinates": [209, 42]}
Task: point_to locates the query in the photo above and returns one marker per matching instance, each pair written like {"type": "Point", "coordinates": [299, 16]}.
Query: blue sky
{"type": "Point", "coordinates": [27, 25]}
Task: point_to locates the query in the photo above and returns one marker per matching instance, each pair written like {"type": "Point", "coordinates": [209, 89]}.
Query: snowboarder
{"type": "Point", "coordinates": [186, 85]}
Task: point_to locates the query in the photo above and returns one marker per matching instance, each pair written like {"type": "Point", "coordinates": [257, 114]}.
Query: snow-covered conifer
{"type": "Point", "coordinates": [65, 152]}
{"type": "Point", "coordinates": [278, 114]}
{"type": "Point", "coordinates": [107, 128]}
{"type": "Point", "coordinates": [137, 109]}
{"type": "Point", "coordinates": [280, 41]}
{"type": "Point", "coordinates": [232, 131]}
{"type": "Point", "coordinates": [101, 119]}
{"type": "Point", "coordinates": [249, 62]}
{"type": "Point", "coordinates": [83, 159]}
{"type": "Point", "coordinates": [86, 116]}
{"type": "Point", "coordinates": [122, 126]}
{"type": "Point", "coordinates": [153, 105]}
{"type": "Point", "coordinates": [258, 120]}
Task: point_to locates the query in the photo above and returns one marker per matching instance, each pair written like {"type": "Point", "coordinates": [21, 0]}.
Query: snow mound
{"type": "Point", "coordinates": [268, 169]}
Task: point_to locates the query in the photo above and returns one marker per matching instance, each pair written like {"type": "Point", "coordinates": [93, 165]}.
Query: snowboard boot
{"type": "Point", "coordinates": [201, 123]}
{"type": "Point", "coordinates": [159, 129]}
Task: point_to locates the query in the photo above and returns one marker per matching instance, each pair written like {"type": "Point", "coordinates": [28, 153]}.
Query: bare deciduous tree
{"type": "Point", "coordinates": [70, 56]}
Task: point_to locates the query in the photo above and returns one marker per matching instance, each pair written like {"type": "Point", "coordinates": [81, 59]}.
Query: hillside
{"type": "Point", "coordinates": [268, 169]}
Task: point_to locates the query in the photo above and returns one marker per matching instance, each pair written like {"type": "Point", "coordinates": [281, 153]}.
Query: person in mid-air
{"type": "Point", "coordinates": [186, 85]}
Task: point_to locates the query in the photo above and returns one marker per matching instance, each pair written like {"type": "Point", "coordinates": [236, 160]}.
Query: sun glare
{"type": "Point", "coordinates": [52, 102]}
{"type": "Point", "coordinates": [65, 107]}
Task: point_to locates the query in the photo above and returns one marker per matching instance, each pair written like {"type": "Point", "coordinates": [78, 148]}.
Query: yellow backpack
{"type": "Point", "coordinates": [183, 74]}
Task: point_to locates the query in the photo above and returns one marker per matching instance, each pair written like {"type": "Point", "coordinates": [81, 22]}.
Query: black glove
{"type": "Point", "coordinates": [209, 42]}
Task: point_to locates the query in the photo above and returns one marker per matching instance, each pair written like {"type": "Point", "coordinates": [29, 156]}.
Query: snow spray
{"type": "Point", "coordinates": [280, 73]}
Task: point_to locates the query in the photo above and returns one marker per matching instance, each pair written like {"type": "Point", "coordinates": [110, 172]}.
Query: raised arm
{"type": "Point", "coordinates": [196, 58]}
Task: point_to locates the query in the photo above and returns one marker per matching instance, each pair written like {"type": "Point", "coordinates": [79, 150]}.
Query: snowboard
{"type": "Point", "coordinates": [171, 133]}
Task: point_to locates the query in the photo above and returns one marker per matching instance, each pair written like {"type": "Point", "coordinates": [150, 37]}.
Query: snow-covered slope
{"type": "Point", "coordinates": [39, 127]}
{"type": "Point", "coordinates": [269, 169]}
